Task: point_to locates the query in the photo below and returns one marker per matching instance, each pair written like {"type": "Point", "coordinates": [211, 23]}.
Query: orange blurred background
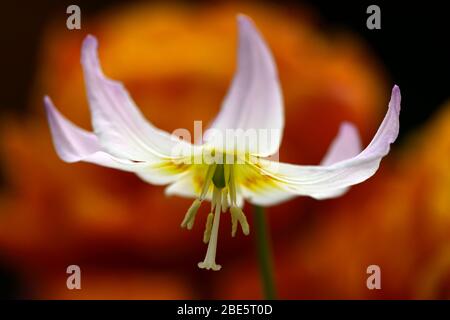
{"type": "Point", "coordinates": [179, 60]}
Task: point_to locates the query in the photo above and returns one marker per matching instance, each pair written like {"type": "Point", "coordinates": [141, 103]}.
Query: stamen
{"type": "Point", "coordinates": [210, 259]}
{"type": "Point", "coordinates": [208, 227]}
{"type": "Point", "coordinates": [225, 200]}
{"type": "Point", "coordinates": [238, 215]}
{"type": "Point", "coordinates": [215, 199]}
{"type": "Point", "coordinates": [189, 218]}
{"type": "Point", "coordinates": [233, 225]}
{"type": "Point", "coordinates": [232, 186]}
{"type": "Point", "coordinates": [208, 179]}
{"type": "Point", "coordinates": [226, 173]}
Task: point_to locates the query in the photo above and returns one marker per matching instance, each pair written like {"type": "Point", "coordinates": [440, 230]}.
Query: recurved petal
{"type": "Point", "coordinates": [345, 145]}
{"type": "Point", "coordinates": [254, 100]}
{"type": "Point", "coordinates": [74, 144]}
{"type": "Point", "coordinates": [120, 127]}
{"type": "Point", "coordinates": [330, 180]}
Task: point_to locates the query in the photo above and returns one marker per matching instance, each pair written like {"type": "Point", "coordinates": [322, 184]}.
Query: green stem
{"type": "Point", "coordinates": [264, 253]}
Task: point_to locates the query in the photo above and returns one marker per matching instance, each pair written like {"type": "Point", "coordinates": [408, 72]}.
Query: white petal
{"type": "Point", "coordinates": [345, 145]}
{"type": "Point", "coordinates": [260, 189]}
{"type": "Point", "coordinates": [162, 173]}
{"type": "Point", "coordinates": [327, 181]}
{"type": "Point", "coordinates": [121, 128]}
{"type": "Point", "coordinates": [184, 187]}
{"type": "Point", "coordinates": [254, 100]}
{"type": "Point", "coordinates": [191, 184]}
{"type": "Point", "coordinates": [74, 144]}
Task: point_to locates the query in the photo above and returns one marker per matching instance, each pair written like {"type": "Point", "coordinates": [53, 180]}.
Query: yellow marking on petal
{"type": "Point", "coordinates": [250, 176]}
{"type": "Point", "coordinates": [198, 181]}
{"type": "Point", "coordinates": [171, 167]}
{"type": "Point", "coordinates": [199, 173]}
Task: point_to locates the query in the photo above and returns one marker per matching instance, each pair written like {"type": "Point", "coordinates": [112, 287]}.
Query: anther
{"type": "Point", "coordinates": [234, 223]}
{"type": "Point", "coordinates": [189, 218]}
{"type": "Point", "coordinates": [208, 227]}
{"type": "Point", "coordinates": [238, 215]}
{"type": "Point", "coordinates": [225, 200]}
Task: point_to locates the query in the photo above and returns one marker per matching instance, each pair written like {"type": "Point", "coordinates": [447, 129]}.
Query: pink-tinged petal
{"type": "Point", "coordinates": [120, 127]}
{"type": "Point", "coordinates": [345, 145]}
{"type": "Point", "coordinates": [74, 144]}
{"type": "Point", "coordinates": [254, 100]}
{"type": "Point", "coordinates": [262, 190]}
{"type": "Point", "coordinates": [328, 181]}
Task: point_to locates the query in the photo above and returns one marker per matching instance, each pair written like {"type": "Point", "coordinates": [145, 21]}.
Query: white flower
{"type": "Point", "coordinates": [124, 140]}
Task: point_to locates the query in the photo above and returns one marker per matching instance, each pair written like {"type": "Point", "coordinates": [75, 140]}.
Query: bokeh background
{"type": "Point", "coordinates": [178, 59]}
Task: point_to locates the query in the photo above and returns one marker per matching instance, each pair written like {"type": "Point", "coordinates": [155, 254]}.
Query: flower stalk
{"type": "Point", "coordinates": [264, 253]}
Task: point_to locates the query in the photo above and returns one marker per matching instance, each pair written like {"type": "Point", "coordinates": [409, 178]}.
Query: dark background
{"type": "Point", "coordinates": [412, 44]}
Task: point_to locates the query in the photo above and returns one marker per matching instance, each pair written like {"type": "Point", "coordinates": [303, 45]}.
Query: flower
{"type": "Point", "coordinates": [226, 168]}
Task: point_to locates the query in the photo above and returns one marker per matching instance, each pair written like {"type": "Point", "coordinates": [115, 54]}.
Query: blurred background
{"type": "Point", "coordinates": [179, 59]}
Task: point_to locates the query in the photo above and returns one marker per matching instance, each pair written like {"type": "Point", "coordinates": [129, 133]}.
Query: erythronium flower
{"type": "Point", "coordinates": [124, 140]}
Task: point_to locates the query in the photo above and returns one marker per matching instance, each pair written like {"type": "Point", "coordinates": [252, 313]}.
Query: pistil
{"type": "Point", "coordinates": [210, 259]}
